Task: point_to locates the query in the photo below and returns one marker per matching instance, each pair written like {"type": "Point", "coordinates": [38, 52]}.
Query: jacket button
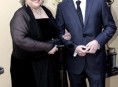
{"type": "Point", "coordinates": [84, 35]}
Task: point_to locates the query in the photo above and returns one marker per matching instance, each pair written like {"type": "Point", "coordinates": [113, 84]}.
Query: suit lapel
{"type": "Point", "coordinates": [89, 4]}
{"type": "Point", "coordinates": [71, 8]}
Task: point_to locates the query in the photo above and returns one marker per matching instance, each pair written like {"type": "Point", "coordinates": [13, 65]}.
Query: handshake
{"type": "Point", "coordinates": [91, 48]}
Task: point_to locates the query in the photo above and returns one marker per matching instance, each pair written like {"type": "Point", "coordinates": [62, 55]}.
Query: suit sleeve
{"type": "Point", "coordinates": [62, 27]}
{"type": "Point", "coordinates": [19, 27]}
{"type": "Point", "coordinates": [109, 27]}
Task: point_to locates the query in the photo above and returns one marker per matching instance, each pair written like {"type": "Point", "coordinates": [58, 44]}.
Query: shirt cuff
{"type": "Point", "coordinates": [75, 54]}
{"type": "Point", "coordinates": [98, 46]}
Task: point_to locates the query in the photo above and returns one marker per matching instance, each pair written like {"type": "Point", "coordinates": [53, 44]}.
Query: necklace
{"type": "Point", "coordinates": [38, 11]}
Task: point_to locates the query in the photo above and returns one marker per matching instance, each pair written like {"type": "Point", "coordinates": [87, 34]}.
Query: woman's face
{"type": "Point", "coordinates": [34, 3]}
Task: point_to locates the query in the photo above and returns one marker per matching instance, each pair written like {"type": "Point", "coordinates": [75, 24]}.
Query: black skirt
{"type": "Point", "coordinates": [42, 72]}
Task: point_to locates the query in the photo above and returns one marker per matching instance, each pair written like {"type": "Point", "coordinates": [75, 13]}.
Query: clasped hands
{"type": "Point", "coordinates": [91, 48]}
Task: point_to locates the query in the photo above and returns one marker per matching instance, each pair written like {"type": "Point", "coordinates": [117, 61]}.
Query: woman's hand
{"type": "Point", "coordinates": [53, 50]}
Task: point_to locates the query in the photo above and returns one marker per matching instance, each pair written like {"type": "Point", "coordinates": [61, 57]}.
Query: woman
{"type": "Point", "coordinates": [34, 61]}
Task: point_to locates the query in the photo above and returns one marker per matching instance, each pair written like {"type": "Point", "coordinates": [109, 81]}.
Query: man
{"type": "Point", "coordinates": [86, 57]}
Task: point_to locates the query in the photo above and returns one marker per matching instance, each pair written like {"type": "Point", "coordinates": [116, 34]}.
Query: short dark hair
{"type": "Point", "coordinates": [22, 2]}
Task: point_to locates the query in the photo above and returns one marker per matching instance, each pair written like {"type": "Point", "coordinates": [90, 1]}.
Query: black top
{"type": "Point", "coordinates": [46, 28]}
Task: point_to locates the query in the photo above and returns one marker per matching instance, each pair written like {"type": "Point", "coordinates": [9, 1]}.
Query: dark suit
{"type": "Point", "coordinates": [99, 25]}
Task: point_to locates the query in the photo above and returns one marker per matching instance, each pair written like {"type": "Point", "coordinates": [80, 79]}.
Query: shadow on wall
{"type": "Point", "coordinates": [115, 37]}
{"type": "Point", "coordinates": [116, 21]}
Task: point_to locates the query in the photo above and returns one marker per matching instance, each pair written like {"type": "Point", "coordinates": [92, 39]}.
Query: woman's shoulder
{"type": "Point", "coordinates": [20, 14]}
{"type": "Point", "coordinates": [21, 11]}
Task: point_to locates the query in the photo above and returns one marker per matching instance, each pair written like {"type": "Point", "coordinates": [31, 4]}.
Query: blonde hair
{"type": "Point", "coordinates": [22, 2]}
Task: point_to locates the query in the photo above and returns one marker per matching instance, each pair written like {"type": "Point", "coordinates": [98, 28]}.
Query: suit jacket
{"type": "Point", "coordinates": [99, 25]}
{"type": "Point", "coordinates": [26, 34]}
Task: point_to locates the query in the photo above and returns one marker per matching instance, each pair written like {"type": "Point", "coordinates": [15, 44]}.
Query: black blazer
{"type": "Point", "coordinates": [26, 34]}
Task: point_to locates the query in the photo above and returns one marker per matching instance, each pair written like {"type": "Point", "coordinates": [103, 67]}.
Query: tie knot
{"type": "Point", "coordinates": [78, 2]}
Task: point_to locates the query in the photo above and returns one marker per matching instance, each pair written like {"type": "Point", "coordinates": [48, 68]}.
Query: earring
{"type": "Point", "coordinates": [42, 2]}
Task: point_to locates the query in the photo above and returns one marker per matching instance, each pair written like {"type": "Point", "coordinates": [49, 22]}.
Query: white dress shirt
{"type": "Point", "coordinates": [82, 6]}
{"type": "Point", "coordinates": [83, 9]}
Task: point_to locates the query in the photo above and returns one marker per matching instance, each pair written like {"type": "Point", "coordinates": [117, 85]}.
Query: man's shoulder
{"type": "Point", "coordinates": [63, 3]}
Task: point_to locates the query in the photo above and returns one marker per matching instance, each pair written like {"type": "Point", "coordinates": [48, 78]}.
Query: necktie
{"type": "Point", "coordinates": [79, 11]}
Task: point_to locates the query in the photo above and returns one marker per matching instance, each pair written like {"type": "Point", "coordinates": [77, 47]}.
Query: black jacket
{"type": "Point", "coordinates": [26, 34]}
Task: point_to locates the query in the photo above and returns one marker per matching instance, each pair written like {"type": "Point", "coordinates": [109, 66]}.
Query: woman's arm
{"type": "Point", "coordinates": [19, 26]}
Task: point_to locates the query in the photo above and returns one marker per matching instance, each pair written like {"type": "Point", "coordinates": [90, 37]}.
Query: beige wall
{"type": "Point", "coordinates": [7, 10]}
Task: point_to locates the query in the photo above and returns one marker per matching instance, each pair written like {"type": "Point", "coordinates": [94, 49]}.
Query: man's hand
{"type": "Point", "coordinates": [67, 36]}
{"type": "Point", "coordinates": [92, 46]}
{"type": "Point", "coordinates": [81, 50]}
{"type": "Point", "coordinates": [53, 50]}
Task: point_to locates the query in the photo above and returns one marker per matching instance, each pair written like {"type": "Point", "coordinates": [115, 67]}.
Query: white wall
{"type": "Point", "coordinates": [7, 10]}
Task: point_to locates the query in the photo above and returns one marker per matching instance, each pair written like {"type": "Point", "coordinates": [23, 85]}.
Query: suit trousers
{"type": "Point", "coordinates": [94, 79]}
